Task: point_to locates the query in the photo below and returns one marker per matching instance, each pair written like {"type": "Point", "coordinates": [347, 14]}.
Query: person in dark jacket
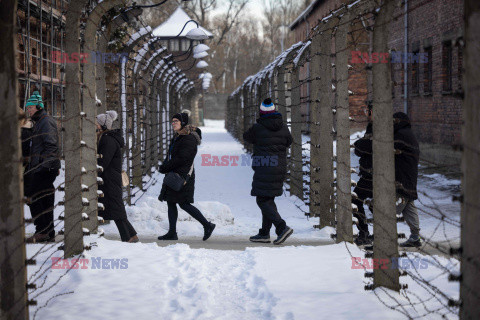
{"type": "Point", "coordinates": [181, 153]}
{"type": "Point", "coordinates": [26, 130]}
{"type": "Point", "coordinates": [44, 167]}
{"type": "Point", "coordinates": [271, 139]}
{"type": "Point", "coordinates": [110, 144]}
{"type": "Point", "coordinates": [407, 154]}
{"type": "Point", "coordinates": [364, 187]}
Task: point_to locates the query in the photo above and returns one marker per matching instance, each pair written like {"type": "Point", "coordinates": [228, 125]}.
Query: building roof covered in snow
{"type": "Point", "coordinates": [174, 24]}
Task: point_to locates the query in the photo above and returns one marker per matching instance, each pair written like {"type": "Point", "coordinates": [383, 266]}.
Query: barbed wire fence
{"type": "Point", "coordinates": [149, 90]}
{"type": "Point", "coordinates": [321, 163]}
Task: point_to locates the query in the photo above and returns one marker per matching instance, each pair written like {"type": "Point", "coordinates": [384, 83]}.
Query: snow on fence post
{"type": "Point", "coordinates": [470, 217]}
{"type": "Point", "coordinates": [296, 173]}
{"type": "Point", "coordinates": [344, 198]}
{"type": "Point", "coordinates": [321, 150]}
{"type": "Point", "coordinates": [13, 270]}
{"type": "Point", "coordinates": [385, 221]}
{"type": "Point", "coordinates": [73, 154]}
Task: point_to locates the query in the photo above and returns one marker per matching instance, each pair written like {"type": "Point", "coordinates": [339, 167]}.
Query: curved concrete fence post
{"type": "Point", "coordinates": [89, 135]}
{"type": "Point", "coordinates": [73, 154]}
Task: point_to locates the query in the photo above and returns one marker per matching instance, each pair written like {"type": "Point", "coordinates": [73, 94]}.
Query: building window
{"type": "Point", "coordinates": [164, 43]}
{"type": "Point", "coordinates": [34, 60]}
{"type": "Point", "coordinates": [415, 72]}
{"type": "Point", "coordinates": [427, 71]}
{"type": "Point", "coordinates": [447, 66]}
{"type": "Point", "coordinates": [185, 45]}
{"type": "Point", "coordinates": [174, 45]}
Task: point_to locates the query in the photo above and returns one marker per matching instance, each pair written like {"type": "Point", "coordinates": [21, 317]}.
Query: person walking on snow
{"type": "Point", "coordinates": [181, 153]}
{"type": "Point", "coordinates": [110, 144]}
{"type": "Point", "coordinates": [364, 188]}
{"type": "Point", "coordinates": [270, 139]}
{"type": "Point", "coordinates": [407, 155]}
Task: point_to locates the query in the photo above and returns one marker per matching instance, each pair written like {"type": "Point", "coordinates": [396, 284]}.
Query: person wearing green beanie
{"type": "Point", "coordinates": [44, 167]}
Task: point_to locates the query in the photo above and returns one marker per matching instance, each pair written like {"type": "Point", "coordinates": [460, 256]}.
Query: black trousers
{"type": "Point", "coordinates": [270, 216]}
{"type": "Point", "coordinates": [125, 229]}
{"type": "Point", "coordinates": [43, 200]}
{"type": "Point", "coordinates": [191, 210]}
{"type": "Point", "coordinates": [363, 191]}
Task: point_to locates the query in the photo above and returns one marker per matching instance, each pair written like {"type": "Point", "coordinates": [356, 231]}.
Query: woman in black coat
{"type": "Point", "coordinates": [181, 153]}
{"type": "Point", "coordinates": [110, 143]}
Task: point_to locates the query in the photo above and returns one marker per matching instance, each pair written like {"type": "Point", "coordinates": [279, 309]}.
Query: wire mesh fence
{"type": "Point", "coordinates": [62, 173]}
{"type": "Point", "coordinates": [322, 86]}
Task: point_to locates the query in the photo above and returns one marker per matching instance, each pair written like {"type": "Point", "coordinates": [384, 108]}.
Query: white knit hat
{"type": "Point", "coordinates": [106, 119]}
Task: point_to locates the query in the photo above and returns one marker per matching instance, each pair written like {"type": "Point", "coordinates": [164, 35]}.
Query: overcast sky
{"type": "Point", "coordinates": [254, 9]}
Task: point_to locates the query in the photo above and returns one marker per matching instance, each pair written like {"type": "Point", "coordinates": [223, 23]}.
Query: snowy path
{"type": "Point", "coordinates": [226, 242]}
{"type": "Point", "coordinates": [222, 193]}
{"type": "Point", "coordinates": [226, 277]}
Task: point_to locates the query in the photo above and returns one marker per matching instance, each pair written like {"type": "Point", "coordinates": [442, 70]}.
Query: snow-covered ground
{"type": "Point", "coordinates": [177, 282]}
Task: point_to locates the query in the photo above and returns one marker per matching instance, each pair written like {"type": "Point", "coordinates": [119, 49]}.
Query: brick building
{"type": "Point", "coordinates": [302, 26]}
{"type": "Point", "coordinates": [430, 92]}
{"type": "Point", "coordinates": [433, 98]}
{"type": "Point", "coordinates": [41, 25]}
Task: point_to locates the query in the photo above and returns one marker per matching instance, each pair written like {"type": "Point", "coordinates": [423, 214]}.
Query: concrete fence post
{"type": "Point", "coordinates": [73, 155]}
{"type": "Point", "coordinates": [321, 149]}
{"type": "Point", "coordinates": [385, 222]}
{"type": "Point", "coordinates": [13, 270]}
{"type": "Point", "coordinates": [296, 173]}
{"type": "Point", "coordinates": [344, 198]}
{"type": "Point", "coordinates": [470, 218]}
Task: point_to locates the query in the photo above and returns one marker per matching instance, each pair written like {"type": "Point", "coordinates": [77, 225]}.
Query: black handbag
{"type": "Point", "coordinates": [175, 181]}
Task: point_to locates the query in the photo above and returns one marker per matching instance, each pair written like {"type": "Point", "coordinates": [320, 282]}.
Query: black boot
{"type": "Point", "coordinates": [208, 231]}
{"type": "Point", "coordinates": [170, 235]}
{"type": "Point", "coordinates": [363, 239]}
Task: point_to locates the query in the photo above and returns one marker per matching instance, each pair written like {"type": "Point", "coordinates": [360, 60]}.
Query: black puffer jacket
{"type": "Point", "coordinates": [109, 146]}
{"type": "Point", "coordinates": [406, 157]}
{"type": "Point", "coordinates": [363, 149]}
{"type": "Point", "coordinates": [182, 152]}
{"type": "Point", "coordinates": [44, 150]}
{"type": "Point", "coordinates": [270, 139]}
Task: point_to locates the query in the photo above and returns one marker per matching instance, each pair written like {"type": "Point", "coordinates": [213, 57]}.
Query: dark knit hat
{"type": "Point", "coordinates": [267, 107]}
{"type": "Point", "coordinates": [35, 100]}
{"type": "Point", "coordinates": [182, 117]}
